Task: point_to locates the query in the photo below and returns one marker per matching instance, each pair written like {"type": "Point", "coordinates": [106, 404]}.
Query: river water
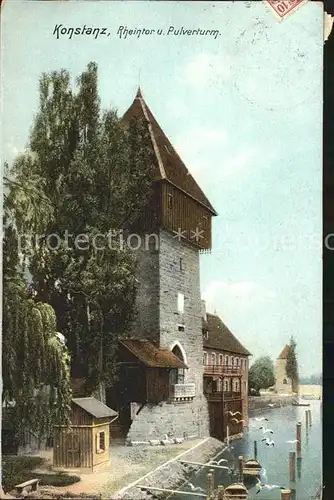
{"type": "Point", "coordinates": [275, 460]}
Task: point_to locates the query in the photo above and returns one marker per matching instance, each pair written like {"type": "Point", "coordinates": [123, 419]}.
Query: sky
{"type": "Point", "coordinates": [244, 112]}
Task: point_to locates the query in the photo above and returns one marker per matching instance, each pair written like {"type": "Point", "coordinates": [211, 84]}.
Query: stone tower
{"type": "Point", "coordinates": [173, 233]}
{"type": "Point", "coordinates": [283, 384]}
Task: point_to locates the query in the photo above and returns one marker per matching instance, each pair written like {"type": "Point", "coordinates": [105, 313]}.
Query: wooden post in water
{"type": "Point", "coordinates": [299, 467]}
{"type": "Point", "coordinates": [255, 450]}
{"type": "Point", "coordinates": [285, 494]}
{"type": "Point", "coordinates": [228, 435]}
{"type": "Point", "coordinates": [210, 485]}
{"type": "Point", "coordinates": [241, 469]}
{"type": "Point", "coordinates": [299, 439]}
{"type": "Point", "coordinates": [292, 466]}
{"type": "Point", "coordinates": [307, 419]}
{"type": "Point", "coordinates": [221, 492]}
{"type": "Point", "coordinates": [310, 418]}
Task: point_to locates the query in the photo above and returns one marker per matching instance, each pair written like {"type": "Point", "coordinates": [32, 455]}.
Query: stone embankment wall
{"type": "Point", "coordinates": [173, 473]}
{"type": "Point", "coordinates": [177, 420]}
{"type": "Point", "coordinates": [261, 402]}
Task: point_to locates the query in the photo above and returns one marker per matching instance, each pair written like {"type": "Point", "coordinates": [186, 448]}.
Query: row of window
{"type": "Point", "coordinates": [228, 385]}
{"type": "Point", "coordinates": [220, 359]}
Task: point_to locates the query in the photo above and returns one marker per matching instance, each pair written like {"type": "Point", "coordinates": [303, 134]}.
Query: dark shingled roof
{"type": "Point", "coordinates": [170, 167]}
{"type": "Point", "coordinates": [94, 407]}
{"type": "Point", "coordinates": [151, 355]}
{"type": "Point", "coordinates": [220, 337]}
{"type": "Point", "coordinates": [284, 353]}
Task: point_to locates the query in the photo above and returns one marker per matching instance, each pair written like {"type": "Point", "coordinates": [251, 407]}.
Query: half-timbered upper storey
{"type": "Point", "coordinates": [178, 204]}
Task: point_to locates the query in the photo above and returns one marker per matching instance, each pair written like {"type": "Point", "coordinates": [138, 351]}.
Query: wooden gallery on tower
{"type": "Point", "coordinates": [159, 393]}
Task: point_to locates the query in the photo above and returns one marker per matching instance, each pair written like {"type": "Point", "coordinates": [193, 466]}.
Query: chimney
{"type": "Point", "coordinates": [203, 309]}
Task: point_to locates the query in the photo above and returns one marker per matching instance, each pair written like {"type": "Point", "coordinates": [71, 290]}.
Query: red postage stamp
{"type": "Point", "coordinates": [283, 8]}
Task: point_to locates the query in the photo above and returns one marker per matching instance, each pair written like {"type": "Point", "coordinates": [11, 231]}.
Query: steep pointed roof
{"type": "Point", "coordinates": [220, 337]}
{"type": "Point", "coordinates": [284, 353]}
{"type": "Point", "coordinates": [169, 165]}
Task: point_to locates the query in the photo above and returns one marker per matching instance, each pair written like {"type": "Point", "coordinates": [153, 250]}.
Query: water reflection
{"type": "Point", "coordinates": [274, 459]}
{"type": "Point", "coordinates": [299, 467]}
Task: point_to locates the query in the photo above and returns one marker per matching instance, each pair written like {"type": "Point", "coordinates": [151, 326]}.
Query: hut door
{"type": "Point", "coordinates": [73, 450]}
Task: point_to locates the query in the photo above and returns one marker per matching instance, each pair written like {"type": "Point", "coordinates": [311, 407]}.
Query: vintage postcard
{"type": "Point", "coordinates": [162, 221]}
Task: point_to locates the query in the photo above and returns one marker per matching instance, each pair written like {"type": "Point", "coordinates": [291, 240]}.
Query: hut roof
{"type": "Point", "coordinates": [284, 353]}
{"type": "Point", "coordinates": [170, 166]}
{"type": "Point", "coordinates": [151, 355]}
{"type": "Point", "coordinates": [94, 407]}
{"type": "Point", "coordinates": [220, 337]}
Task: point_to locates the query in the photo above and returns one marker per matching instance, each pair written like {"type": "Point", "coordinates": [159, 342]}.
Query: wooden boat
{"type": "Point", "coordinates": [301, 404]}
{"type": "Point", "coordinates": [252, 468]}
{"type": "Point", "coordinates": [235, 491]}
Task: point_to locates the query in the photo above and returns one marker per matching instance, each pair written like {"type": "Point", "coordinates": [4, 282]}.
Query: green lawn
{"type": "Point", "coordinates": [17, 469]}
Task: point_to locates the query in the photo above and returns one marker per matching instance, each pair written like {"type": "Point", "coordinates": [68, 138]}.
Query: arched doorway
{"type": "Point", "coordinates": [177, 351]}
{"type": "Point", "coordinates": [177, 374]}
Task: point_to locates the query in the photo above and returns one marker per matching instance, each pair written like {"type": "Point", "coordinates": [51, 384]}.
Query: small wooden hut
{"type": "Point", "coordinates": [84, 445]}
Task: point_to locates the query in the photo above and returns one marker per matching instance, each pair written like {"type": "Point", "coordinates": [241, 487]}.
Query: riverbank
{"type": "Point", "coordinates": [127, 465]}
{"type": "Point", "coordinates": [256, 403]}
{"type": "Point", "coordinates": [172, 474]}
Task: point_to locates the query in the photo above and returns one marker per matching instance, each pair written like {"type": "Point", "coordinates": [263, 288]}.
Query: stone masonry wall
{"type": "Point", "coordinates": [174, 419]}
{"type": "Point", "coordinates": [185, 279]}
{"type": "Point", "coordinates": [162, 276]}
{"type": "Point", "coordinates": [146, 323]}
{"type": "Point", "coordinates": [280, 375]}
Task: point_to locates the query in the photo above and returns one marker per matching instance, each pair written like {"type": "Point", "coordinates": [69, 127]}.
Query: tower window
{"type": "Point", "coordinates": [170, 201]}
{"type": "Point", "coordinates": [205, 221]}
{"type": "Point", "coordinates": [180, 303]}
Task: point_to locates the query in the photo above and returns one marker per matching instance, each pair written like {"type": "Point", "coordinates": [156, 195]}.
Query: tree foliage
{"type": "Point", "coordinates": [261, 374]}
{"type": "Point", "coordinates": [291, 367]}
{"type": "Point", "coordinates": [35, 365]}
{"type": "Point", "coordinates": [97, 175]}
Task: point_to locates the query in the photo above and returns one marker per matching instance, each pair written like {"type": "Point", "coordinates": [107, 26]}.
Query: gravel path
{"type": "Point", "coordinates": [127, 464]}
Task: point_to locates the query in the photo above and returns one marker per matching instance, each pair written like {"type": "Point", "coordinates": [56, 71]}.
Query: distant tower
{"type": "Point", "coordinates": [174, 231]}
{"type": "Point", "coordinates": [283, 384]}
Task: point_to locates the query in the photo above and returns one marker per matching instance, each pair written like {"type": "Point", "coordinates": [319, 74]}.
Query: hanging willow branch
{"type": "Point", "coordinates": [36, 372]}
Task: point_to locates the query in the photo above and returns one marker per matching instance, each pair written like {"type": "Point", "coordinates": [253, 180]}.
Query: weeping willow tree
{"type": "Point", "coordinates": [35, 362]}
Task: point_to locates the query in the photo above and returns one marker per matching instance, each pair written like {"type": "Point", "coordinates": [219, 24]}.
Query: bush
{"type": "Point", "coordinates": [15, 469]}
{"type": "Point", "coordinates": [18, 469]}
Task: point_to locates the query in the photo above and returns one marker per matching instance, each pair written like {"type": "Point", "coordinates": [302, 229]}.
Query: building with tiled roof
{"type": "Point", "coordinates": [283, 384]}
{"type": "Point", "coordinates": [225, 362]}
{"type": "Point", "coordinates": [160, 371]}
{"type": "Point", "coordinates": [284, 352]}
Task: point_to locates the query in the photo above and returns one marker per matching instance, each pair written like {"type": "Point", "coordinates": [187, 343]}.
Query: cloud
{"type": "Point", "coordinates": [205, 68]}
{"type": "Point", "coordinates": [206, 151]}
{"type": "Point", "coordinates": [236, 297]}
{"type": "Point", "coordinates": [200, 141]}
{"type": "Point", "coordinates": [238, 161]}
{"type": "Point", "coordinates": [10, 151]}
